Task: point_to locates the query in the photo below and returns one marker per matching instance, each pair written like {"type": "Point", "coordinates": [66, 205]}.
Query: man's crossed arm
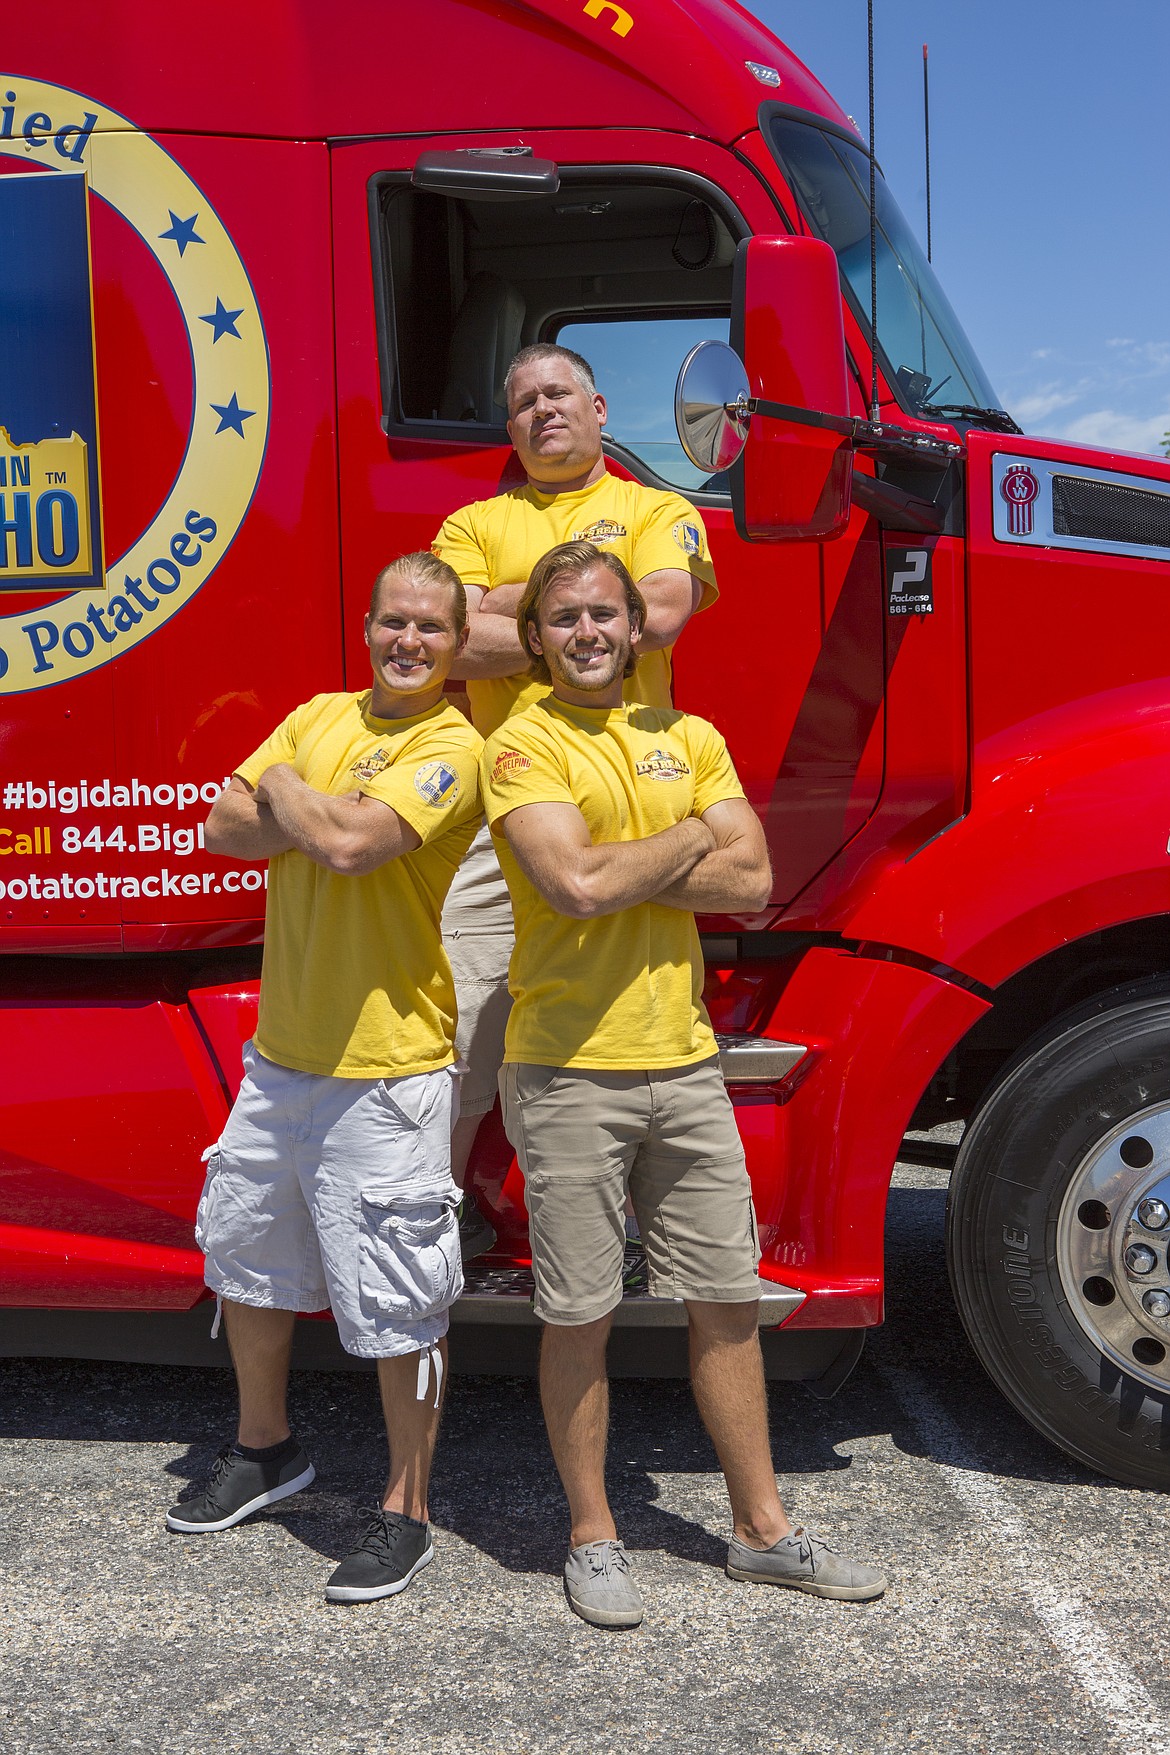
{"type": "Point", "coordinates": [713, 864]}
{"type": "Point", "coordinates": [493, 645]}
{"type": "Point", "coordinates": [736, 876]}
{"type": "Point", "coordinates": [351, 834]}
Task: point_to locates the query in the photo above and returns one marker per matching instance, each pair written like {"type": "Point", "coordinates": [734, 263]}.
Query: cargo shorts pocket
{"type": "Point", "coordinates": [205, 1211]}
{"type": "Point", "coordinates": [412, 1100]}
{"type": "Point", "coordinates": [409, 1266]}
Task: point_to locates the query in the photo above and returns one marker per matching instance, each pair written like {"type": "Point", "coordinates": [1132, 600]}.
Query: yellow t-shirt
{"type": "Point", "coordinates": [622, 991]}
{"type": "Point", "coordinates": [356, 983]}
{"type": "Point", "coordinates": [499, 541]}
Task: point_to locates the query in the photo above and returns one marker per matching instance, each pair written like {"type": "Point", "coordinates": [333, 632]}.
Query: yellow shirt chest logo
{"type": "Point", "coordinates": [661, 765]}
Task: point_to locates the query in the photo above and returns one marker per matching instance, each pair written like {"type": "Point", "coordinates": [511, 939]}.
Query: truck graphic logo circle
{"type": "Point", "coordinates": [69, 134]}
{"type": "Point", "coordinates": [1019, 488]}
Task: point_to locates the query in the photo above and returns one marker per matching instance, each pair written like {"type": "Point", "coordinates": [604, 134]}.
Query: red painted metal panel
{"type": "Point", "coordinates": [116, 768]}
{"type": "Point", "coordinates": [226, 1016]}
{"type": "Point", "coordinates": [1057, 626]}
{"type": "Point", "coordinates": [881, 1030]}
{"type": "Point", "coordinates": [1066, 835]}
{"type": "Point", "coordinates": [797, 479]}
{"type": "Point", "coordinates": [1066, 828]}
{"type": "Point", "coordinates": [295, 70]}
{"type": "Point", "coordinates": [925, 722]}
{"type": "Point", "coordinates": [68, 1270]}
{"type": "Point", "coordinates": [265, 626]}
{"type": "Point", "coordinates": [107, 1104]}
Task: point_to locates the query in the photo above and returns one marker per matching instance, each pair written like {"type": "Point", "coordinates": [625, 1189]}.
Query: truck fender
{"type": "Point", "coordinates": [1066, 835]}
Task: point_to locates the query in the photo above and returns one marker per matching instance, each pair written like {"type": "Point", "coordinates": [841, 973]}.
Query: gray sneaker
{"type": "Point", "coordinates": [599, 1585]}
{"type": "Point", "coordinates": [808, 1563]}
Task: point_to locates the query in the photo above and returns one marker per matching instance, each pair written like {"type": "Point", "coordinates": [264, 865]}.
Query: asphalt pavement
{"type": "Point", "coordinates": [1025, 1612]}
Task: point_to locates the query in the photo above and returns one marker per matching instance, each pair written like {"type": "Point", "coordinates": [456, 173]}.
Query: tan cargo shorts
{"type": "Point", "coordinates": [583, 1138]}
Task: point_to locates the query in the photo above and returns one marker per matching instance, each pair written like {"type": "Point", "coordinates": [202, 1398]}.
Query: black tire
{"type": "Point", "coordinates": [1062, 1113]}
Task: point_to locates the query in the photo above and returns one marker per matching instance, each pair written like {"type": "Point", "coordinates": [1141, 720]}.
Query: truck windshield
{"type": "Point", "coordinates": [932, 361]}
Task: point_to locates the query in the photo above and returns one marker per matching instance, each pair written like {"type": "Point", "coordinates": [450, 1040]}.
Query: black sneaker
{"type": "Point", "coordinates": [635, 1272]}
{"type": "Point", "coordinates": [239, 1485]}
{"type": "Point", "coordinates": [393, 1549]}
{"type": "Point", "coordinates": [477, 1234]}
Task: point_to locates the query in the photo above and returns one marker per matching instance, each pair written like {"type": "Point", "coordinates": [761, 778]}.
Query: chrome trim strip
{"type": "Point", "coordinates": [757, 1060]}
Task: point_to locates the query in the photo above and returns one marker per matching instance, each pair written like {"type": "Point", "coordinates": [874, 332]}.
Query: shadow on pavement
{"type": "Point", "coordinates": [515, 1511]}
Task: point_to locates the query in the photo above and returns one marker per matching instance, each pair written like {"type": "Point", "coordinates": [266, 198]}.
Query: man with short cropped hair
{"type": "Point", "coordinates": [556, 417]}
{"type": "Point", "coordinates": [615, 823]}
{"type": "Point", "coordinates": [330, 1185]}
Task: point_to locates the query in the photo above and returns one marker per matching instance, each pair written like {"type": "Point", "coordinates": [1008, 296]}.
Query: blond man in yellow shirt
{"type": "Point", "coordinates": [556, 416]}
{"type": "Point", "coordinates": [616, 823]}
{"type": "Point", "coordinates": [330, 1186]}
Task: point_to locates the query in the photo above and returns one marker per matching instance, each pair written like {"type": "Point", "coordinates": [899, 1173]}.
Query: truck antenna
{"type": "Point", "coordinates": [875, 413]}
{"type": "Point", "coordinates": [926, 128]}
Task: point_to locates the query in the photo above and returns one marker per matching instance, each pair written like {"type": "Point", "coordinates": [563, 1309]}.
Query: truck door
{"type": "Point", "coordinates": [629, 261]}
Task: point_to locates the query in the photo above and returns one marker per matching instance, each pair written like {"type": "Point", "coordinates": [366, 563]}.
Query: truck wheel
{"type": "Point", "coordinates": [1058, 1226]}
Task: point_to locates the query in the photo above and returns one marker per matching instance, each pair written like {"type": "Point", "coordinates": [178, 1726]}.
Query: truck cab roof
{"type": "Point", "coordinates": [289, 69]}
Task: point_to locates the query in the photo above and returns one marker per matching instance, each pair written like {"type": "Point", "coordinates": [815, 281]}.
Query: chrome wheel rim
{"type": "Point", "coordinates": [1113, 1245]}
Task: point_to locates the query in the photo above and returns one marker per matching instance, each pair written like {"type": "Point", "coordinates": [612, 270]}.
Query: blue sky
{"type": "Point", "coordinates": [1049, 136]}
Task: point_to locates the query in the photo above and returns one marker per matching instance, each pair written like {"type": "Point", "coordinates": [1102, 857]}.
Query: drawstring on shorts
{"type": "Point", "coordinates": [424, 1373]}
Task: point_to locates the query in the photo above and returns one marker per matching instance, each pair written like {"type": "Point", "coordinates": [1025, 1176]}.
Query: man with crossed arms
{"type": "Point", "coordinates": [615, 823]}
{"type": "Point", "coordinates": [330, 1185]}
{"type": "Point", "coordinates": [556, 416]}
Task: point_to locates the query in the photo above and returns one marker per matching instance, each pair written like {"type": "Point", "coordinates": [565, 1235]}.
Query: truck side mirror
{"type": "Point", "coordinates": [786, 378]}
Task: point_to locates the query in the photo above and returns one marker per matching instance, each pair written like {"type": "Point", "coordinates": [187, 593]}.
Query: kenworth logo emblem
{"type": "Point", "coordinates": [51, 528]}
{"type": "Point", "coordinates": [1019, 488]}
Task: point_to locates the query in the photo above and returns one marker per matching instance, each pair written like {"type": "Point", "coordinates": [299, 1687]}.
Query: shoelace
{"type": "Point", "coordinates": [812, 1547]}
{"type": "Point", "coordinates": [219, 1467]}
{"type": "Point", "coordinates": [613, 1559]}
{"type": "Point", "coordinates": [379, 1533]}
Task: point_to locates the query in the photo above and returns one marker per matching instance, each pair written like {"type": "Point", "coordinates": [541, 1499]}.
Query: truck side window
{"type": "Point", "coordinates": [631, 271]}
{"type": "Point", "coordinates": [636, 360]}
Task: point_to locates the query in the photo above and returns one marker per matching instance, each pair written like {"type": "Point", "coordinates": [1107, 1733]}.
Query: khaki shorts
{"type": "Point", "coordinates": [583, 1138]}
{"type": "Point", "coordinates": [478, 936]}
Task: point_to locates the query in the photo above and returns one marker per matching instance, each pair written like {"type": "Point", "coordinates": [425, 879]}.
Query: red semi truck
{"type": "Point", "coordinates": [260, 273]}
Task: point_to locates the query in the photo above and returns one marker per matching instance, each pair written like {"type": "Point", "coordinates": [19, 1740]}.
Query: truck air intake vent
{"type": "Point", "coordinates": [1106, 512]}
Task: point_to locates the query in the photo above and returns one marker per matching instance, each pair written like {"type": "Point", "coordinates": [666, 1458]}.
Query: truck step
{"type": "Point", "coordinates": [504, 1295]}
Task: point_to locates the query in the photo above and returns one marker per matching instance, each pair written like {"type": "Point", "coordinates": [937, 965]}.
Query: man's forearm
{"type": "Point", "coordinates": [727, 880]}
{"type": "Point", "coordinates": [241, 827]}
{"type": "Point", "coordinates": [493, 649]}
{"type": "Point", "coordinates": [672, 597]}
{"type": "Point", "coordinates": [351, 834]}
{"type": "Point", "coordinates": [493, 645]}
{"type": "Point", "coordinates": [620, 874]}
{"type": "Point", "coordinates": [503, 600]}
{"type": "Point", "coordinates": [314, 823]}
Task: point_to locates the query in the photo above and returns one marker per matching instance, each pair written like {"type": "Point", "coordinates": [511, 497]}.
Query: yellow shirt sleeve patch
{"type": "Point", "coordinates": [437, 783]}
{"type": "Point", "coordinates": [508, 765]}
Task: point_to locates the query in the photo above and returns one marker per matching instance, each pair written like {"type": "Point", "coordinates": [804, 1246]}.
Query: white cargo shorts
{"type": "Point", "coordinates": [337, 1193]}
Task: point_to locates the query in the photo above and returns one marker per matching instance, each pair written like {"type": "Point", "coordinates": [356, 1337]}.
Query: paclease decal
{"type": "Point", "coordinates": [71, 134]}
